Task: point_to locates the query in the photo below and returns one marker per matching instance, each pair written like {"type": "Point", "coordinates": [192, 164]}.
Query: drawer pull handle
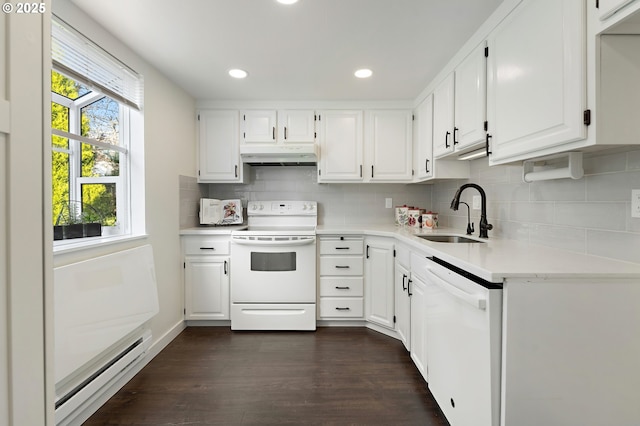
{"type": "Point", "coordinates": [342, 309]}
{"type": "Point", "coordinates": [207, 248]}
{"type": "Point", "coordinates": [342, 267]}
{"type": "Point", "coordinates": [342, 288]}
{"type": "Point", "coordinates": [343, 248]}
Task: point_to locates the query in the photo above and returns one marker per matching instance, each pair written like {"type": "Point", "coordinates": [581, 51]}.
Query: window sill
{"type": "Point", "coordinates": [70, 246]}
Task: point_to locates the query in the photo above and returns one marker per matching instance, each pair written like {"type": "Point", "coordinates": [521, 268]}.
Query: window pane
{"type": "Point", "coordinates": [67, 87]}
{"type": "Point", "coordinates": [60, 183]}
{"type": "Point", "coordinates": [59, 117]}
{"type": "Point", "coordinates": [97, 162]}
{"type": "Point", "coordinates": [99, 203]}
{"type": "Point", "coordinates": [101, 121]}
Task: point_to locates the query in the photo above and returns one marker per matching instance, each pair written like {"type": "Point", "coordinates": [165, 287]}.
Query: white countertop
{"type": "Point", "coordinates": [497, 259]}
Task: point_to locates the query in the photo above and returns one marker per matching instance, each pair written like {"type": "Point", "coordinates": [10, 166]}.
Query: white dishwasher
{"type": "Point", "coordinates": [463, 328]}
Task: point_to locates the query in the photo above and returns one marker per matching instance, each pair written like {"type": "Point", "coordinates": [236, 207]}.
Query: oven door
{"type": "Point", "coordinates": [273, 269]}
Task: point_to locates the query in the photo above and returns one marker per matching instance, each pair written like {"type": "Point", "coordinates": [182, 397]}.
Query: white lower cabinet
{"type": "Point", "coordinates": [402, 299]}
{"type": "Point", "coordinates": [341, 285]}
{"type": "Point", "coordinates": [206, 277]}
{"type": "Point", "coordinates": [379, 277]}
{"type": "Point", "coordinates": [418, 308]}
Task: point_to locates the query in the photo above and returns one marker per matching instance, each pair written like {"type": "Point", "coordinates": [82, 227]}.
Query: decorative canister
{"type": "Point", "coordinates": [415, 217]}
{"type": "Point", "coordinates": [402, 215]}
{"type": "Point", "coordinates": [430, 220]}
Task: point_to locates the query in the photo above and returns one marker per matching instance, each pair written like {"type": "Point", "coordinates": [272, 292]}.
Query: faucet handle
{"type": "Point", "coordinates": [470, 229]}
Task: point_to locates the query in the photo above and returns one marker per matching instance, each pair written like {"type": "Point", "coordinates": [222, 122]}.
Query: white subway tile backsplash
{"type": "Point", "coordinates": [592, 215]}
{"type": "Point", "coordinates": [612, 186]}
{"type": "Point", "coordinates": [558, 190]}
{"type": "Point", "coordinates": [562, 237]}
{"type": "Point", "coordinates": [532, 212]}
{"type": "Point", "coordinates": [618, 245]}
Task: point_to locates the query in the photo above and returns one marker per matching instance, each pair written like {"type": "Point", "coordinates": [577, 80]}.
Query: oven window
{"type": "Point", "coordinates": [273, 262]}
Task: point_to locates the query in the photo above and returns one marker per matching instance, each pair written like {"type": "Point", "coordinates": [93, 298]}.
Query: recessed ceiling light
{"type": "Point", "coordinates": [363, 73]}
{"type": "Point", "coordinates": [287, 1]}
{"type": "Point", "coordinates": [238, 73]}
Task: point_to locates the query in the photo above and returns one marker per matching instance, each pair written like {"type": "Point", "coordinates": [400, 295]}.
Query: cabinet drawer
{"type": "Point", "coordinates": [342, 286]}
{"type": "Point", "coordinates": [341, 265]}
{"type": "Point", "coordinates": [341, 307]}
{"type": "Point", "coordinates": [341, 246]}
{"type": "Point", "coordinates": [198, 245]}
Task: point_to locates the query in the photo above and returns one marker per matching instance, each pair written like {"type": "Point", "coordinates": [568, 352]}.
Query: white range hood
{"type": "Point", "coordinates": [285, 155]}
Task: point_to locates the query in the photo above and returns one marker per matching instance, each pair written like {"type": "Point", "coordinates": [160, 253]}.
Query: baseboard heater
{"type": "Point", "coordinates": [111, 370]}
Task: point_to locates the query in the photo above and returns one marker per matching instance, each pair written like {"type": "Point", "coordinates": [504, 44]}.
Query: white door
{"type": "Point", "coordinates": [341, 144]}
{"type": "Point", "coordinates": [536, 80]}
{"type": "Point", "coordinates": [402, 305]}
{"type": "Point", "coordinates": [388, 145]}
{"type": "Point", "coordinates": [296, 126]}
{"type": "Point", "coordinates": [206, 288]}
{"type": "Point", "coordinates": [470, 100]}
{"type": "Point", "coordinates": [423, 139]}
{"type": "Point", "coordinates": [443, 116]}
{"type": "Point", "coordinates": [378, 282]}
{"type": "Point", "coordinates": [219, 154]}
{"type": "Point", "coordinates": [258, 126]}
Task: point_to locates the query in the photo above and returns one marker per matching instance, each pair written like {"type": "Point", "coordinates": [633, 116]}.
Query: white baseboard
{"type": "Point", "coordinates": [100, 398]}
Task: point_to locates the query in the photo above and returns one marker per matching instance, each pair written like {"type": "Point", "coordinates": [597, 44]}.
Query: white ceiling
{"type": "Point", "coordinates": [306, 51]}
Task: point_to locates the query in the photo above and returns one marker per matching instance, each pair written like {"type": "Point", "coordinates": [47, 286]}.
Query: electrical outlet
{"type": "Point", "coordinates": [388, 202]}
{"type": "Point", "coordinates": [477, 202]}
{"type": "Point", "coordinates": [635, 203]}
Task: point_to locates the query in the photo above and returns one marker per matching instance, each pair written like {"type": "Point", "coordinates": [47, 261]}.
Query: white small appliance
{"type": "Point", "coordinates": [220, 212]}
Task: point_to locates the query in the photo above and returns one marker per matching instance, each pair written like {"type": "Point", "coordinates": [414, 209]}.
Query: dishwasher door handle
{"type": "Point", "coordinates": [477, 302]}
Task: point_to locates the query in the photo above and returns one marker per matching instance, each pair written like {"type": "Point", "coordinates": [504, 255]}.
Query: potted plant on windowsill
{"type": "Point", "coordinates": [77, 221]}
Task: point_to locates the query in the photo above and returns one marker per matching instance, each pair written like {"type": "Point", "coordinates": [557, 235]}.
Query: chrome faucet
{"type": "Point", "coordinates": [455, 203]}
{"type": "Point", "coordinates": [470, 229]}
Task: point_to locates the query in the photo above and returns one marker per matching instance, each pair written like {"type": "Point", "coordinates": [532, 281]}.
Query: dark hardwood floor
{"type": "Point", "coordinates": [334, 376]}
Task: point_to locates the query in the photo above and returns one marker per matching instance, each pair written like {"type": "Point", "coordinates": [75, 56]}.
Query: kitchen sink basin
{"type": "Point", "coordinates": [448, 239]}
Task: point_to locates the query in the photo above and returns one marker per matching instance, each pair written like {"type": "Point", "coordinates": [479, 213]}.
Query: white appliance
{"type": "Point", "coordinates": [220, 212]}
{"type": "Point", "coordinates": [273, 281]}
{"type": "Point", "coordinates": [463, 326]}
{"type": "Point", "coordinates": [280, 155]}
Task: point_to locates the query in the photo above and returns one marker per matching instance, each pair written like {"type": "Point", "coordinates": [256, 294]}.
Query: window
{"type": "Point", "coordinates": [96, 103]}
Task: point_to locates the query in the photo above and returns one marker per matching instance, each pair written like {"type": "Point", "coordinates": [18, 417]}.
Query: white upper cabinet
{"type": "Point", "coordinates": [388, 145]}
{"type": "Point", "coordinates": [341, 146]}
{"type": "Point", "coordinates": [459, 110]}
{"type": "Point", "coordinates": [470, 105]}
{"type": "Point", "coordinates": [218, 147]}
{"type": "Point", "coordinates": [423, 161]}
{"type": "Point", "coordinates": [609, 7]}
{"type": "Point", "coordinates": [278, 127]}
{"type": "Point", "coordinates": [536, 80]}
{"type": "Point", "coordinates": [423, 139]}
{"type": "Point", "coordinates": [443, 98]}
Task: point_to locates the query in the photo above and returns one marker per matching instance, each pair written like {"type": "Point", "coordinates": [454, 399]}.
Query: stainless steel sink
{"type": "Point", "coordinates": [448, 239]}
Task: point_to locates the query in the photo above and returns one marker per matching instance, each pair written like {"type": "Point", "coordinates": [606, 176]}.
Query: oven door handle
{"type": "Point", "coordinates": [477, 302]}
{"type": "Point", "coordinates": [272, 243]}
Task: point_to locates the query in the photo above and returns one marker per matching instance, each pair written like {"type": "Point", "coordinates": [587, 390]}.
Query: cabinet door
{"type": "Point", "coordinates": [423, 139]}
{"type": "Point", "coordinates": [258, 126]}
{"type": "Point", "coordinates": [206, 288]}
{"type": "Point", "coordinates": [470, 100]}
{"type": "Point", "coordinates": [609, 7]}
{"type": "Point", "coordinates": [296, 126]}
{"type": "Point", "coordinates": [402, 305]}
{"type": "Point", "coordinates": [378, 281]}
{"type": "Point", "coordinates": [388, 145]}
{"type": "Point", "coordinates": [340, 146]}
{"type": "Point", "coordinates": [443, 116]}
{"type": "Point", "coordinates": [418, 334]}
{"type": "Point", "coordinates": [536, 80]}
{"type": "Point", "coordinates": [219, 152]}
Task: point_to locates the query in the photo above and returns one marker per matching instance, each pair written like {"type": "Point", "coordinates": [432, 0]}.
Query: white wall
{"type": "Point", "coordinates": [169, 129]}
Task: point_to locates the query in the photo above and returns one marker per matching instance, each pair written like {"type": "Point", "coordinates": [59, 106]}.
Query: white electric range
{"type": "Point", "coordinates": [273, 280]}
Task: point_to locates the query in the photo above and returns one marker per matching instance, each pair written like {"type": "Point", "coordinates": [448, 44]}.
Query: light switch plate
{"type": "Point", "coordinates": [388, 202]}
{"type": "Point", "coordinates": [635, 203]}
{"type": "Point", "coordinates": [477, 201]}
